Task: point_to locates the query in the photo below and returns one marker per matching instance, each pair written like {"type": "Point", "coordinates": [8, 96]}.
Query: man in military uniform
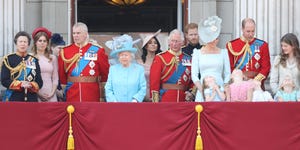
{"type": "Point", "coordinates": [83, 68]}
{"type": "Point", "coordinates": [170, 72]}
{"type": "Point", "coordinates": [250, 54]}
{"type": "Point", "coordinates": [20, 72]}
{"type": "Point", "coordinates": [192, 37]}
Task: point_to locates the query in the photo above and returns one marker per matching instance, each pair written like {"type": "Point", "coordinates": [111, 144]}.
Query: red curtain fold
{"type": "Point", "coordinates": [150, 126]}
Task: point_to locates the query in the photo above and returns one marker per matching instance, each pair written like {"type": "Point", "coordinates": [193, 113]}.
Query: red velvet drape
{"type": "Point", "coordinates": [148, 126]}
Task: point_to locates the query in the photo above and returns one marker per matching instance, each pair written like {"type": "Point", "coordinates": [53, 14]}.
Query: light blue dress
{"type": "Point", "coordinates": [125, 83]}
{"type": "Point", "coordinates": [292, 97]}
{"type": "Point", "coordinates": [209, 91]}
{"type": "Point", "coordinates": [216, 65]}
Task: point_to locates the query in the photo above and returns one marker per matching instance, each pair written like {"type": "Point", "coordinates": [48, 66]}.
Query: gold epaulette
{"type": "Point", "coordinates": [171, 64]}
{"type": "Point", "coordinates": [71, 61]}
{"type": "Point", "coordinates": [259, 77]}
{"type": "Point", "coordinates": [233, 52]}
{"type": "Point", "coordinates": [18, 69]}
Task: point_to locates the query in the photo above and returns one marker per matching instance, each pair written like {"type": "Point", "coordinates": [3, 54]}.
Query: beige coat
{"type": "Point", "coordinates": [278, 72]}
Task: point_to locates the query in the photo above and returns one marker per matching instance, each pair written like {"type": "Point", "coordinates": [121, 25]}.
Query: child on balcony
{"type": "Point", "coordinates": [212, 91]}
{"type": "Point", "coordinates": [287, 91]}
{"type": "Point", "coordinates": [240, 90]}
{"type": "Point", "coordinates": [259, 95]}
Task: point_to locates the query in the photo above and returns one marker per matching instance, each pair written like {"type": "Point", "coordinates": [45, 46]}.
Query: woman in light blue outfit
{"type": "Point", "coordinates": [126, 80]}
{"type": "Point", "coordinates": [210, 60]}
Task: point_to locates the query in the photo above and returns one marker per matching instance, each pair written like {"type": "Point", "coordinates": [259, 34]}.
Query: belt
{"type": "Point", "coordinates": [168, 86]}
{"type": "Point", "coordinates": [83, 79]}
{"type": "Point", "coordinates": [250, 74]}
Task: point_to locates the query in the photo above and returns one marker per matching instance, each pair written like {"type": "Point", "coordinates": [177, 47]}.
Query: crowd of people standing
{"type": "Point", "coordinates": [81, 72]}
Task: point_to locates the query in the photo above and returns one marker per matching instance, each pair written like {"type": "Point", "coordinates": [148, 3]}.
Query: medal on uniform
{"type": "Point", "coordinates": [92, 72]}
{"type": "Point", "coordinates": [187, 71]}
{"type": "Point", "coordinates": [90, 55]}
{"type": "Point", "coordinates": [92, 65]}
{"type": "Point", "coordinates": [186, 62]}
{"type": "Point", "coordinates": [184, 78]}
{"type": "Point", "coordinates": [256, 48]}
{"type": "Point", "coordinates": [29, 78]}
{"type": "Point", "coordinates": [257, 56]}
{"type": "Point", "coordinates": [33, 72]}
{"type": "Point", "coordinates": [257, 65]}
{"type": "Point", "coordinates": [30, 64]}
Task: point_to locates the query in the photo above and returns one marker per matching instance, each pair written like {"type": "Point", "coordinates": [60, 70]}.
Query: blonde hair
{"type": "Point", "coordinates": [287, 77]}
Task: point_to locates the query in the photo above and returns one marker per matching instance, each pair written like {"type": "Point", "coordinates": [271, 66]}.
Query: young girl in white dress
{"type": "Point", "coordinates": [259, 95]}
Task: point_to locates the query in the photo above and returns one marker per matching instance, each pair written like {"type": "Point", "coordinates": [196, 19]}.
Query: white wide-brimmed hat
{"type": "Point", "coordinates": [210, 28]}
{"type": "Point", "coordinates": [121, 44]}
{"type": "Point", "coordinates": [149, 37]}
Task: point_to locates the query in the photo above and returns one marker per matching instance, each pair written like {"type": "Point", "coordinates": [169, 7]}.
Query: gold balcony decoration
{"type": "Point", "coordinates": [125, 3]}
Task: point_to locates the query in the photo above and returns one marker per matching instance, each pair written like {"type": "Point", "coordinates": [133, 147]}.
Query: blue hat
{"type": "Point", "coordinates": [210, 28]}
{"type": "Point", "coordinates": [57, 39]}
{"type": "Point", "coordinates": [121, 44]}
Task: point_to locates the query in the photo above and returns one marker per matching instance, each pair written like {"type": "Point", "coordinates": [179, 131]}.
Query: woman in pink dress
{"type": "Point", "coordinates": [48, 65]}
{"type": "Point", "coordinates": [151, 47]}
{"type": "Point", "coordinates": [240, 90]}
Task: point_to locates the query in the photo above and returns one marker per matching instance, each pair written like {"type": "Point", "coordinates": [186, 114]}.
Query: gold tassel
{"type": "Point", "coordinates": [70, 144]}
{"type": "Point", "coordinates": [199, 143]}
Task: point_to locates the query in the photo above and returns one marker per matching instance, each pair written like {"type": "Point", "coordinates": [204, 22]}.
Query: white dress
{"type": "Point", "coordinates": [261, 96]}
{"type": "Point", "coordinates": [216, 65]}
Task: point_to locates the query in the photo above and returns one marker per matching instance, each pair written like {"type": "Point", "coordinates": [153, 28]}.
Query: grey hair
{"type": "Point", "coordinates": [82, 25]}
{"type": "Point", "coordinates": [176, 31]}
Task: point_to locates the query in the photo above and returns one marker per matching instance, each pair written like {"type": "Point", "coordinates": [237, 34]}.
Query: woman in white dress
{"type": "Point", "coordinates": [210, 60]}
{"type": "Point", "coordinates": [287, 62]}
{"type": "Point", "coordinates": [48, 64]}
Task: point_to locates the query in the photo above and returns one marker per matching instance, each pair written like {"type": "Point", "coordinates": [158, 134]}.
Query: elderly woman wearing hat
{"type": "Point", "coordinates": [126, 80]}
{"type": "Point", "coordinates": [210, 60]}
{"type": "Point", "coordinates": [151, 47]}
{"type": "Point", "coordinates": [20, 72]}
{"type": "Point", "coordinates": [48, 62]}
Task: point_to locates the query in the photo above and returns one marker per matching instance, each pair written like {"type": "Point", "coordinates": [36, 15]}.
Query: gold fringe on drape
{"type": "Point", "coordinates": [70, 144]}
{"type": "Point", "coordinates": [199, 143]}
